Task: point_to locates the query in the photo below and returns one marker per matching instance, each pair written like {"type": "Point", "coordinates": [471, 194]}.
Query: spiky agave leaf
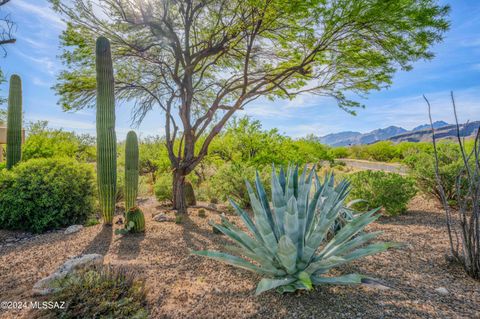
{"type": "Point", "coordinates": [288, 242]}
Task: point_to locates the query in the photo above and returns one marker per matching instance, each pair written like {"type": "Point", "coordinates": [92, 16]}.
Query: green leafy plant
{"type": "Point", "coordinates": [201, 213]}
{"type": "Point", "coordinates": [103, 292]}
{"type": "Point", "coordinates": [287, 242]}
{"type": "Point", "coordinates": [106, 138]}
{"type": "Point", "coordinates": [42, 194]}
{"type": "Point", "coordinates": [163, 187]}
{"type": "Point", "coordinates": [377, 188]}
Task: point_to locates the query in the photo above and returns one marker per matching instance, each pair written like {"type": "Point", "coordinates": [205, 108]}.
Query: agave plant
{"type": "Point", "coordinates": [288, 243]}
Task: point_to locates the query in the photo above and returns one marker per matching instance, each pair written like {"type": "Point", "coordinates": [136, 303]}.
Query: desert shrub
{"type": "Point", "coordinates": [163, 187]}
{"type": "Point", "coordinates": [229, 182]}
{"type": "Point", "coordinates": [42, 194]}
{"type": "Point", "coordinates": [339, 152]}
{"type": "Point", "coordinates": [43, 142]}
{"type": "Point", "coordinates": [105, 292]}
{"type": "Point", "coordinates": [144, 185]}
{"type": "Point", "coordinates": [389, 190]}
{"type": "Point", "coordinates": [287, 242]}
{"type": "Point", "coordinates": [422, 169]}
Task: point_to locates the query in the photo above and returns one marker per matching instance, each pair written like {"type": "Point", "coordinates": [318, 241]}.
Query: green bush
{"type": "Point", "coordinates": [389, 190]}
{"type": "Point", "coordinates": [422, 169]}
{"type": "Point", "coordinates": [43, 142]}
{"type": "Point", "coordinates": [163, 187]}
{"type": "Point", "coordinates": [107, 292]}
{"type": "Point", "coordinates": [42, 194]}
{"type": "Point", "coordinates": [229, 181]}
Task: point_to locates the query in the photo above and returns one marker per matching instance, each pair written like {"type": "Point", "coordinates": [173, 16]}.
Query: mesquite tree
{"type": "Point", "coordinates": [464, 228]}
{"type": "Point", "coordinates": [199, 61]}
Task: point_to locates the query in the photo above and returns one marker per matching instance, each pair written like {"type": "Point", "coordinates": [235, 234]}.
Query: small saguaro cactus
{"type": "Point", "coordinates": [135, 215]}
{"type": "Point", "coordinates": [106, 139]}
{"type": "Point", "coordinates": [131, 170]}
{"type": "Point", "coordinates": [14, 122]}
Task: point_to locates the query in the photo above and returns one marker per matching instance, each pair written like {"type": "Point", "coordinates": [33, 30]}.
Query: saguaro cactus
{"type": "Point", "coordinates": [131, 170]}
{"type": "Point", "coordinates": [14, 122]}
{"type": "Point", "coordinates": [106, 139]}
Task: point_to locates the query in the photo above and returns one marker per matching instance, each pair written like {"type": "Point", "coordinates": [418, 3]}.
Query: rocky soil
{"type": "Point", "coordinates": [423, 283]}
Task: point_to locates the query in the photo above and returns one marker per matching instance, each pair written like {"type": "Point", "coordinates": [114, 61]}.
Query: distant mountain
{"type": "Point", "coordinates": [354, 138]}
{"type": "Point", "coordinates": [396, 134]}
{"type": "Point", "coordinates": [437, 124]}
{"type": "Point", "coordinates": [338, 139]}
{"type": "Point", "coordinates": [444, 132]}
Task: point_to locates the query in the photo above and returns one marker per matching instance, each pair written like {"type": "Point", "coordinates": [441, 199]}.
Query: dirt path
{"type": "Point", "coordinates": [375, 166]}
{"type": "Point", "coordinates": [184, 286]}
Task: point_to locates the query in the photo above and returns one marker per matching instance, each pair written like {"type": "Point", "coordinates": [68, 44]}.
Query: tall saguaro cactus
{"type": "Point", "coordinates": [131, 170]}
{"type": "Point", "coordinates": [14, 122]}
{"type": "Point", "coordinates": [106, 139]}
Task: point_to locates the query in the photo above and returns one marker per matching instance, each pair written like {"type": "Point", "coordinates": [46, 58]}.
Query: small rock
{"type": "Point", "coordinates": [119, 221]}
{"type": "Point", "coordinates": [10, 239]}
{"type": "Point", "coordinates": [43, 286]}
{"type": "Point", "coordinates": [212, 205]}
{"type": "Point", "coordinates": [161, 218]}
{"type": "Point", "coordinates": [442, 291]}
{"type": "Point", "coordinates": [72, 229]}
{"type": "Point", "coordinates": [370, 283]}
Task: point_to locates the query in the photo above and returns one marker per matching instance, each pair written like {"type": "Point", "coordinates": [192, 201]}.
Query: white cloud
{"type": "Point", "coordinates": [42, 12]}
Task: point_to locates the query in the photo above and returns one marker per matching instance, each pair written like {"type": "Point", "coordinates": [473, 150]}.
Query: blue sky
{"type": "Point", "coordinates": [456, 67]}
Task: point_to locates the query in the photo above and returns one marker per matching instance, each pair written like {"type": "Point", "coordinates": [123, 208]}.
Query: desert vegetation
{"type": "Point", "coordinates": [221, 216]}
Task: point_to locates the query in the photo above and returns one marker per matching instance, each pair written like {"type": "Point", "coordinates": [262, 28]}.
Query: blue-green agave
{"type": "Point", "coordinates": [288, 241]}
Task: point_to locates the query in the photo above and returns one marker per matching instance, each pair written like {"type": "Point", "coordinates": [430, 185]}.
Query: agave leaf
{"type": "Point", "coordinates": [356, 242]}
{"type": "Point", "coordinates": [258, 257]}
{"type": "Point", "coordinates": [287, 254]}
{"type": "Point", "coordinates": [261, 221]}
{"type": "Point", "coordinates": [348, 231]}
{"type": "Point", "coordinates": [290, 189]}
{"type": "Point", "coordinates": [267, 284]}
{"type": "Point", "coordinates": [282, 179]}
{"type": "Point", "coordinates": [340, 280]}
{"type": "Point", "coordinates": [355, 201]}
{"type": "Point", "coordinates": [291, 220]}
{"type": "Point", "coordinates": [246, 220]}
{"type": "Point", "coordinates": [279, 203]}
{"type": "Point", "coordinates": [237, 235]}
{"type": "Point", "coordinates": [266, 206]}
{"type": "Point", "coordinates": [232, 260]}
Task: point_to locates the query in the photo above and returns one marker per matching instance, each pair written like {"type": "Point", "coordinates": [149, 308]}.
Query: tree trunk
{"type": "Point", "coordinates": [179, 200]}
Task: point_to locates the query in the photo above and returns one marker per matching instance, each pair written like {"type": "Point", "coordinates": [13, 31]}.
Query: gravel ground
{"type": "Point", "coordinates": [184, 286]}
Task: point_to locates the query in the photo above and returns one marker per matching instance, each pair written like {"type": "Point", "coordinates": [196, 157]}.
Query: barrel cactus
{"type": "Point", "coordinates": [131, 170]}
{"type": "Point", "coordinates": [135, 221]}
{"type": "Point", "coordinates": [14, 122]}
{"type": "Point", "coordinates": [190, 194]}
{"type": "Point", "coordinates": [106, 139]}
{"type": "Point", "coordinates": [288, 244]}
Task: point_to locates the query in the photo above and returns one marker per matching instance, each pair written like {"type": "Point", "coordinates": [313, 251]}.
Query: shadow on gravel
{"type": "Point", "coordinates": [101, 243]}
{"type": "Point", "coordinates": [129, 247]}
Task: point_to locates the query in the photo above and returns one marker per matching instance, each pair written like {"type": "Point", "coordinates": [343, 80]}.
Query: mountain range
{"type": "Point", "coordinates": [398, 134]}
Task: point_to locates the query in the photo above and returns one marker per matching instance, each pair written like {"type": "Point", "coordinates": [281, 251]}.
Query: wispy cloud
{"type": "Point", "coordinates": [42, 12]}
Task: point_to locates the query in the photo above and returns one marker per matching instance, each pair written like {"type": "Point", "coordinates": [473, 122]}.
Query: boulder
{"type": "Point", "coordinates": [44, 286]}
{"type": "Point", "coordinates": [72, 229]}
